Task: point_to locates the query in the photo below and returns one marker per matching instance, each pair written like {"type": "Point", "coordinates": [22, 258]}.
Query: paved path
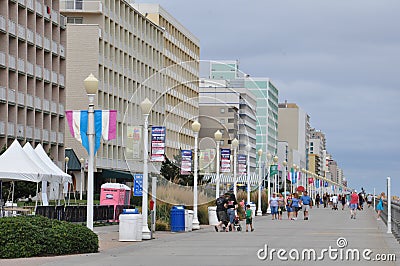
{"type": "Point", "coordinates": [206, 247]}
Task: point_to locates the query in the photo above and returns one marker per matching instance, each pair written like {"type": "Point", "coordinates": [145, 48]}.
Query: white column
{"type": "Point", "coordinates": [217, 177]}
{"type": "Point", "coordinates": [195, 223]}
{"type": "Point", "coordinates": [268, 182]}
{"type": "Point", "coordinates": [82, 177]}
{"type": "Point", "coordinates": [259, 211]}
{"type": "Point", "coordinates": [235, 143]}
{"type": "Point", "coordinates": [89, 218]}
{"type": "Point", "coordinates": [145, 227]}
{"type": "Point", "coordinates": [389, 204]}
{"type": "Point", "coordinates": [248, 149]}
{"type": "Point", "coordinates": [284, 163]}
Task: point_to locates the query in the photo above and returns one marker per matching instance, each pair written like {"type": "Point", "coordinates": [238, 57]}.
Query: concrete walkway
{"type": "Point", "coordinates": [207, 247]}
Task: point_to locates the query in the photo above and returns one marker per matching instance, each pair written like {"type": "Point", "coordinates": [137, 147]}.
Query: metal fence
{"type": "Point", "coordinates": [395, 206]}
{"type": "Point", "coordinates": [77, 213]}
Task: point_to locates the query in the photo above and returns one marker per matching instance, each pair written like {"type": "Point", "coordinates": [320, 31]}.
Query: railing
{"type": "Point", "coordinates": [11, 27]}
{"type": "Point", "coordinates": [21, 98]}
{"type": "Point", "coordinates": [29, 132]}
{"type": "Point", "coordinates": [29, 68]}
{"type": "Point", "coordinates": [47, 75]}
{"type": "Point", "coordinates": [61, 109]}
{"type": "Point", "coordinates": [53, 107]}
{"type": "Point", "coordinates": [11, 62]}
{"type": "Point", "coordinates": [62, 80]}
{"type": "Point", "coordinates": [2, 23]}
{"type": "Point", "coordinates": [3, 94]}
{"type": "Point", "coordinates": [30, 36]}
{"type": "Point", "coordinates": [39, 40]}
{"type": "Point", "coordinates": [38, 103]}
{"type": "Point", "coordinates": [46, 44]}
{"type": "Point", "coordinates": [60, 137]}
{"type": "Point", "coordinates": [37, 133]}
{"type": "Point", "coordinates": [2, 59]}
{"type": "Point", "coordinates": [21, 65]}
{"type": "Point", "coordinates": [20, 130]}
{"type": "Point", "coordinates": [45, 135]}
{"type": "Point", "coordinates": [46, 105]}
{"type": "Point", "coordinates": [2, 128]}
{"type": "Point", "coordinates": [395, 206]}
{"type": "Point", "coordinates": [53, 136]}
{"type": "Point", "coordinates": [54, 47]}
{"type": "Point", "coordinates": [62, 50]}
{"type": "Point", "coordinates": [54, 77]}
{"type": "Point", "coordinates": [54, 16]}
{"type": "Point", "coordinates": [29, 4]}
{"type": "Point", "coordinates": [39, 8]}
{"type": "Point", "coordinates": [29, 101]}
{"type": "Point", "coordinates": [11, 95]}
{"type": "Point", "coordinates": [38, 71]}
{"type": "Point", "coordinates": [87, 6]}
{"type": "Point", "coordinates": [10, 129]}
{"type": "Point", "coordinates": [21, 32]}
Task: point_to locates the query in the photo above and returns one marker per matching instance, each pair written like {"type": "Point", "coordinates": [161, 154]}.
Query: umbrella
{"type": "Point", "coordinates": [300, 188]}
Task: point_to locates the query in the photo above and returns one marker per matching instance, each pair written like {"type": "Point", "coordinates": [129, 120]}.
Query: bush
{"type": "Point", "coordinates": [28, 236]}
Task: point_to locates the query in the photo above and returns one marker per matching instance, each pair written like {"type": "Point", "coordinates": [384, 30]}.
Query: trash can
{"type": "Point", "coordinates": [188, 220]}
{"type": "Point", "coordinates": [253, 208]}
{"type": "Point", "coordinates": [130, 225]}
{"type": "Point", "coordinates": [177, 218]}
{"type": "Point", "coordinates": [212, 215]}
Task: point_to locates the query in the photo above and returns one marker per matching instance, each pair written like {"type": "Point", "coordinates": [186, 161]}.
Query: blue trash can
{"type": "Point", "coordinates": [130, 211]}
{"type": "Point", "coordinates": [177, 219]}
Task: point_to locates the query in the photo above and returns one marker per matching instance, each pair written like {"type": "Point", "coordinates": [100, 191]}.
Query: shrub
{"type": "Point", "coordinates": [28, 236]}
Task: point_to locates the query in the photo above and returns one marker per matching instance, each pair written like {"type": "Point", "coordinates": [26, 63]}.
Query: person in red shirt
{"type": "Point", "coordinates": [353, 204]}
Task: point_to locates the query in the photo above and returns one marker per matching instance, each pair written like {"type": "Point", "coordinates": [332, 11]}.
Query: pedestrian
{"type": "Point", "coordinates": [369, 200]}
{"type": "Point", "coordinates": [343, 201]}
{"type": "Point", "coordinates": [317, 199]}
{"type": "Point", "coordinates": [295, 205]}
{"type": "Point", "coordinates": [249, 218]}
{"type": "Point", "coordinates": [325, 199]}
{"type": "Point", "coordinates": [273, 203]}
{"type": "Point", "coordinates": [222, 216]}
{"type": "Point", "coordinates": [231, 210]}
{"type": "Point", "coordinates": [360, 201]}
{"type": "Point", "coordinates": [281, 206]}
{"type": "Point", "coordinates": [306, 204]}
{"type": "Point", "coordinates": [289, 207]}
{"type": "Point", "coordinates": [379, 207]}
{"type": "Point", "coordinates": [353, 204]}
{"type": "Point", "coordinates": [334, 202]}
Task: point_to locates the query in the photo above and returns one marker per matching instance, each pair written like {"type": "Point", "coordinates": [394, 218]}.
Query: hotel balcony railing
{"type": "Point", "coordinates": [11, 95]}
{"type": "Point", "coordinates": [11, 62]}
{"type": "Point", "coordinates": [20, 131]}
{"type": "Point", "coordinates": [2, 24]}
{"type": "Point", "coordinates": [46, 105]}
{"type": "Point", "coordinates": [29, 132]}
{"type": "Point", "coordinates": [45, 135]}
{"type": "Point", "coordinates": [46, 44]}
{"type": "Point", "coordinates": [60, 137]}
{"type": "Point", "coordinates": [38, 72]}
{"type": "Point", "coordinates": [30, 36]}
{"type": "Point", "coordinates": [38, 103]}
{"type": "Point", "coordinates": [53, 107]}
{"type": "Point", "coordinates": [2, 128]}
{"type": "Point", "coordinates": [84, 6]}
{"type": "Point", "coordinates": [3, 94]}
{"type": "Point", "coordinates": [39, 40]}
{"type": "Point", "coordinates": [21, 99]}
{"type": "Point", "coordinates": [21, 32]}
{"type": "Point", "coordinates": [10, 129]}
{"type": "Point", "coordinates": [11, 27]}
{"type": "Point", "coordinates": [29, 101]}
{"type": "Point", "coordinates": [37, 133]}
{"type": "Point", "coordinates": [21, 65]}
{"type": "Point", "coordinates": [29, 68]}
{"type": "Point", "coordinates": [53, 136]}
{"type": "Point", "coordinates": [2, 59]}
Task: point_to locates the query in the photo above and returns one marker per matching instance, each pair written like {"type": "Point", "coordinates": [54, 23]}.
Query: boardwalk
{"type": "Point", "coordinates": [206, 247]}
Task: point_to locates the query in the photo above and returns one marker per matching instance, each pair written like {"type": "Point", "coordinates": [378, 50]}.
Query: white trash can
{"type": "Point", "coordinates": [212, 215]}
{"type": "Point", "coordinates": [189, 220]}
{"type": "Point", "coordinates": [130, 227]}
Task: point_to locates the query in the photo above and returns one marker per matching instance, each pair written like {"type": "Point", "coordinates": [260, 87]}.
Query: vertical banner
{"type": "Point", "coordinates": [157, 144]}
{"type": "Point", "coordinates": [310, 180]}
{"type": "Point", "coordinates": [204, 160]}
{"type": "Point", "coordinates": [134, 140]}
{"type": "Point", "coordinates": [225, 160]}
{"type": "Point", "coordinates": [138, 185]}
{"type": "Point", "coordinates": [186, 163]}
{"type": "Point", "coordinates": [242, 161]}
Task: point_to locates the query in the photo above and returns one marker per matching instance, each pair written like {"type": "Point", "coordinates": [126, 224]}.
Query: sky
{"type": "Point", "coordinates": [338, 60]}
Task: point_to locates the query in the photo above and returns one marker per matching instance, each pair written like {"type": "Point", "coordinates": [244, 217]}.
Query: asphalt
{"type": "Point", "coordinates": [326, 229]}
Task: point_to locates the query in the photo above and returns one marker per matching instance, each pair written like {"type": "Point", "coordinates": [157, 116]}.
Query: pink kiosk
{"type": "Point", "coordinates": [115, 194]}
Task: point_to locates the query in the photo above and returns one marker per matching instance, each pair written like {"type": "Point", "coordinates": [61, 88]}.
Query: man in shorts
{"type": "Point", "coordinates": [353, 204]}
{"type": "Point", "coordinates": [222, 216]}
{"type": "Point", "coordinates": [306, 204]}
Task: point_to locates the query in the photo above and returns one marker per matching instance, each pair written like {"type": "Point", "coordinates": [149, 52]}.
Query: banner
{"type": "Point", "coordinates": [186, 163]}
{"type": "Point", "coordinates": [242, 164]}
{"type": "Point", "coordinates": [293, 176]}
{"type": "Point", "coordinates": [157, 144]}
{"type": "Point", "coordinates": [326, 184]}
{"type": "Point", "coordinates": [134, 140]}
{"type": "Point", "coordinates": [273, 170]}
{"type": "Point", "coordinates": [225, 160]}
{"type": "Point", "coordinates": [316, 183]}
{"type": "Point", "coordinates": [137, 185]}
{"type": "Point", "coordinates": [105, 125]}
{"type": "Point", "coordinates": [310, 180]}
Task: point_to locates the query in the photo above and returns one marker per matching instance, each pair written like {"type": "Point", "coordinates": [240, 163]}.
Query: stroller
{"type": "Point", "coordinates": [236, 224]}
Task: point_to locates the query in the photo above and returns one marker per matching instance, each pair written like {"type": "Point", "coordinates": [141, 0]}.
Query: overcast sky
{"type": "Point", "coordinates": [338, 60]}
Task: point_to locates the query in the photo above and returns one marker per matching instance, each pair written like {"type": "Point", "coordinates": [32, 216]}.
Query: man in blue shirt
{"type": "Point", "coordinates": [306, 204]}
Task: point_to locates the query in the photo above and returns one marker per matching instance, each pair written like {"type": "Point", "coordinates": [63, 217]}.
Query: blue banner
{"type": "Point", "coordinates": [138, 185]}
{"type": "Point", "coordinates": [186, 163]}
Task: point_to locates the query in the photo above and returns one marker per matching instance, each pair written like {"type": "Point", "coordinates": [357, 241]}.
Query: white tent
{"type": "Point", "coordinates": [15, 165]}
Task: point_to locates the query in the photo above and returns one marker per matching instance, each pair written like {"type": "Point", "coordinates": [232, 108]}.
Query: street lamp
{"type": "Point", "coordinates": [284, 163]}
{"type": "Point", "coordinates": [248, 149]}
{"type": "Point", "coordinates": [65, 185]}
{"type": "Point", "coordinates": [146, 108]}
{"type": "Point", "coordinates": [276, 175]}
{"type": "Point", "coordinates": [235, 144]}
{"type": "Point", "coordinates": [260, 151]}
{"type": "Point", "coordinates": [218, 137]}
{"type": "Point", "coordinates": [269, 156]}
{"type": "Point", "coordinates": [82, 176]}
{"type": "Point", "coordinates": [91, 85]}
{"type": "Point", "coordinates": [196, 128]}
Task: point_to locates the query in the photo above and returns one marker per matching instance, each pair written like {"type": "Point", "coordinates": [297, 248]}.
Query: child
{"type": "Point", "coordinates": [249, 219]}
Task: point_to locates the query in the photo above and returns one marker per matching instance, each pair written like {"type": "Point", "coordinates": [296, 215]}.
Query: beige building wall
{"type": "Point", "coordinates": [32, 75]}
{"type": "Point", "coordinates": [181, 68]}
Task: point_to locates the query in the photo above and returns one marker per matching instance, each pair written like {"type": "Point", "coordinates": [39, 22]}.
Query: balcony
{"type": "Point", "coordinates": [3, 94]}
{"type": "Point", "coordinates": [38, 103]}
{"type": "Point", "coordinates": [46, 75]}
{"type": "Point", "coordinates": [11, 27]}
{"type": "Point", "coordinates": [29, 101]}
{"type": "Point", "coordinates": [60, 138]}
{"type": "Point", "coordinates": [2, 59]}
{"type": "Point", "coordinates": [38, 72]}
{"type": "Point", "coordinates": [63, 21]}
{"type": "Point", "coordinates": [53, 106]}
{"type": "Point", "coordinates": [39, 40]}
{"type": "Point", "coordinates": [11, 96]}
{"type": "Point", "coordinates": [21, 32]}
{"type": "Point", "coordinates": [2, 128]}
{"type": "Point", "coordinates": [54, 47]}
{"type": "Point", "coordinates": [62, 50]}
{"type": "Point", "coordinates": [20, 131]}
{"type": "Point", "coordinates": [29, 68]}
{"type": "Point", "coordinates": [37, 133]}
{"type": "Point", "coordinates": [54, 17]}
{"type": "Point", "coordinates": [54, 77]}
{"type": "Point", "coordinates": [21, 99]}
{"type": "Point", "coordinates": [21, 2]}
{"type": "Point", "coordinates": [53, 137]}
{"type": "Point", "coordinates": [81, 6]}
{"type": "Point", "coordinates": [46, 13]}
{"type": "Point", "coordinates": [21, 65]}
{"type": "Point", "coordinates": [11, 129]}
{"type": "Point", "coordinates": [29, 132]}
{"type": "Point", "coordinates": [30, 36]}
{"type": "Point", "coordinates": [61, 110]}
{"type": "Point", "coordinates": [39, 8]}
{"type": "Point", "coordinates": [2, 24]}
{"type": "Point", "coordinates": [46, 44]}
{"type": "Point", "coordinates": [29, 5]}
{"type": "Point", "coordinates": [46, 106]}
{"type": "Point", "coordinates": [11, 62]}
{"type": "Point", "coordinates": [46, 135]}
{"type": "Point", "coordinates": [62, 80]}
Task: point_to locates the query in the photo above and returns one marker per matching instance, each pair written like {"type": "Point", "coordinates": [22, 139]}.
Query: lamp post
{"type": "Point", "coordinates": [269, 156]}
{"type": "Point", "coordinates": [248, 149]}
{"type": "Point", "coordinates": [145, 105]}
{"type": "Point", "coordinates": [196, 128]}
{"type": "Point", "coordinates": [82, 176]}
{"type": "Point", "coordinates": [260, 152]}
{"type": "Point", "coordinates": [296, 176]}
{"type": "Point", "coordinates": [276, 175]}
{"type": "Point", "coordinates": [91, 84]}
{"type": "Point", "coordinates": [235, 144]}
{"type": "Point", "coordinates": [218, 137]}
{"type": "Point", "coordinates": [65, 185]}
{"type": "Point", "coordinates": [284, 163]}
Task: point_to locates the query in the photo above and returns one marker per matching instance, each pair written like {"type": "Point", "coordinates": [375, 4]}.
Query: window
{"type": "Point", "coordinates": [231, 120]}
{"type": "Point", "coordinates": [231, 110]}
{"type": "Point", "coordinates": [222, 110]}
{"type": "Point", "coordinates": [74, 20]}
{"type": "Point", "coordinates": [222, 121]}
